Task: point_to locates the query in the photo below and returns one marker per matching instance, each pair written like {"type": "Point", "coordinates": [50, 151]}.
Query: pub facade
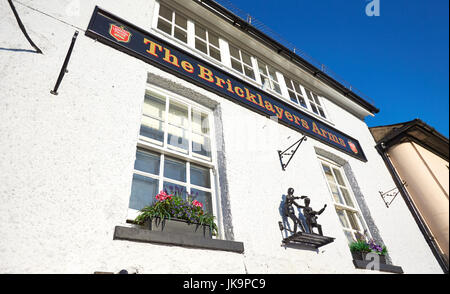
{"type": "Point", "coordinates": [186, 98]}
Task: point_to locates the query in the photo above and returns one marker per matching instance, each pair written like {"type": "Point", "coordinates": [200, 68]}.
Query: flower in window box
{"type": "Point", "coordinates": [376, 248]}
{"type": "Point", "coordinates": [169, 206]}
{"type": "Point", "coordinates": [361, 248]}
{"type": "Point", "coordinates": [197, 203]}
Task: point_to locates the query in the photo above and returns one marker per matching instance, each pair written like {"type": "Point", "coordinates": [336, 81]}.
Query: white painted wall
{"type": "Point", "coordinates": [66, 164]}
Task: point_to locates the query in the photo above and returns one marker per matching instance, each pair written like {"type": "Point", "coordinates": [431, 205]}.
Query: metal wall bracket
{"type": "Point", "coordinates": [282, 154]}
{"type": "Point", "coordinates": [22, 27]}
{"type": "Point", "coordinates": [389, 196]}
{"type": "Point", "coordinates": [64, 67]}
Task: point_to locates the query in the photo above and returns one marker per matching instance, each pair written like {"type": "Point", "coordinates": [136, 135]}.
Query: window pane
{"type": "Point", "coordinates": [342, 218]}
{"type": "Point", "coordinates": [175, 169]}
{"type": "Point", "coordinates": [336, 194]}
{"type": "Point", "coordinates": [213, 39]}
{"type": "Point", "coordinates": [200, 45]}
{"type": "Point", "coordinates": [180, 35]}
{"type": "Point", "coordinates": [297, 88]}
{"type": "Point", "coordinates": [200, 122]}
{"type": "Point", "coordinates": [214, 53]}
{"type": "Point", "coordinates": [339, 178]}
{"type": "Point", "coordinates": [350, 238]}
{"type": "Point", "coordinates": [262, 67]}
{"type": "Point", "coordinates": [178, 114]}
{"type": "Point", "coordinates": [364, 228]}
{"type": "Point", "coordinates": [302, 101]}
{"type": "Point", "coordinates": [288, 83]}
{"type": "Point", "coordinates": [165, 26]}
{"type": "Point", "coordinates": [181, 21]}
{"type": "Point", "coordinates": [143, 191]}
{"type": "Point", "coordinates": [152, 128]}
{"type": "Point", "coordinates": [321, 112]}
{"type": "Point", "coordinates": [204, 198]}
{"type": "Point", "coordinates": [201, 145]}
{"type": "Point", "coordinates": [348, 199]}
{"type": "Point", "coordinates": [178, 137]}
{"type": "Point", "coordinates": [316, 99]}
{"type": "Point", "coordinates": [265, 81]}
{"type": "Point", "coordinates": [249, 72]}
{"type": "Point", "coordinates": [174, 189]}
{"type": "Point", "coordinates": [277, 88]}
{"type": "Point", "coordinates": [200, 32]}
{"type": "Point", "coordinates": [328, 173]}
{"type": "Point", "coordinates": [235, 52]}
{"type": "Point", "coordinates": [154, 106]}
{"type": "Point", "coordinates": [353, 220]}
{"type": "Point", "coordinates": [246, 59]}
{"type": "Point", "coordinates": [165, 12]}
{"type": "Point", "coordinates": [308, 93]}
{"type": "Point", "coordinates": [236, 65]}
{"type": "Point", "coordinates": [293, 97]}
{"type": "Point", "coordinates": [272, 74]}
{"type": "Point", "coordinates": [200, 176]}
{"type": "Point", "coordinates": [147, 162]}
{"type": "Point", "coordinates": [313, 107]}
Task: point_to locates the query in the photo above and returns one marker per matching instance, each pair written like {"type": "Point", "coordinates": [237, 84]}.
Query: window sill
{"type": "Point", "coordinates": [362, 264]}
{"type": "Point", "coordinates": [147, 236]}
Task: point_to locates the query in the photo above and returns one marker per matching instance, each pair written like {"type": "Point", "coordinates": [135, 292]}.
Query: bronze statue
{"type": "Point", "coordinates": [311, 216]}
{"type": "Point", "coordinates": [289, 210]}
{"type": "Point", "coordinates": [305, 237]}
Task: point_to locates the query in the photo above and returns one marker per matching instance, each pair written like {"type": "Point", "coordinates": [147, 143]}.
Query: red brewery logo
{"type": "Point", "coordinates": [119, 33]}
{"type": "Point", "coordinates": [353, 147]}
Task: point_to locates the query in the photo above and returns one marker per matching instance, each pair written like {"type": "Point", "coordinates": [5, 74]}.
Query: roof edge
{"type": "Point", "coordinates": [239, 23]}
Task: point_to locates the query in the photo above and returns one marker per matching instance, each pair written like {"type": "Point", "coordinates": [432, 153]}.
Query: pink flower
{"type": "Point", "coordinates": [196, 203]}
{"type": "Point", "coordinates": [163, 196]}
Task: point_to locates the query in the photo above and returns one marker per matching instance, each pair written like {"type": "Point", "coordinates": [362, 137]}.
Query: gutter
{"type": "Point", "coordinates": [222, 12]}
{"type": "Point", "coordinates": [412, 208]}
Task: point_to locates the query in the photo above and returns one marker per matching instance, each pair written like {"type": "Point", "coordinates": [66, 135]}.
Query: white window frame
{"type": "Point", "coordinates": [337, 205]}
{"type": "Point", "coordinates": [312, 104]}
{"type": "Point", "coordinates": [296, 93]}
{"type": "Point", "coordinates": [208, 43]}
{"type": "Point", "coordinates": [191, 105]}
{"type": "Point", "coordinates": [242, 63]}
{"type": "Point", "coordinates": [225, 63]}
{"type": "Point", "coordinates": [166, 150]}
{"type": "Point", "coordinates": [173, 23]}
{"type": "Point", "coordinates": [266, 74]}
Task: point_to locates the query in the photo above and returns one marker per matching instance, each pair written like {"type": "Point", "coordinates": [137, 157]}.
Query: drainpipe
{"type": "Point", "coordinates": [412, 208]}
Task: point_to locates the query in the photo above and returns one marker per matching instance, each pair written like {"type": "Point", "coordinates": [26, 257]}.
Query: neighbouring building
{"type": "Point", "coordinates": [417, 157]}
{"type": "Point", "coordinates": [182, 95]}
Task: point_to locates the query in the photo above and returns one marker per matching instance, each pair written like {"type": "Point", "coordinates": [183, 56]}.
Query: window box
{"type": "Point", "coordinates": [363, 260]}
{"type": "Point", "coordinates": [369, 265]}
{"type": "Point", "coordinates": [179, 227]}
{"type": "Point", "coordinates": [141, 234]}
{"type": "Point", "coordinates": [363, 256]}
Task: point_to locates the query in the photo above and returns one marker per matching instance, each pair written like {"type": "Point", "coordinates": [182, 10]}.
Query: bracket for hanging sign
{"type": "Point", "coordinates": [64, 67]}
{"type": "Point", "coordinates": [282, 154]}
{"type": "Point", "coordinates": [389, 196]}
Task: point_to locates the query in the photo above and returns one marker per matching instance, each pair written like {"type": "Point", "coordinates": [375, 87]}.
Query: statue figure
{"type": "Point", "coordinates": [306, 238]}
{"type": "Point", "coordinates": [289, 210]}
{"type": "Point", "coordinates": [311, 216]}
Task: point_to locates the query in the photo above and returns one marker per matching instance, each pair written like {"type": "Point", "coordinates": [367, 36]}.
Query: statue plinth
{"type": "Point", "coordinates": [307, 239]}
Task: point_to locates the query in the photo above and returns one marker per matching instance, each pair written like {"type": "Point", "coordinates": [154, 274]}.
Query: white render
{"type": "Point", "coordinates": [66, 163]}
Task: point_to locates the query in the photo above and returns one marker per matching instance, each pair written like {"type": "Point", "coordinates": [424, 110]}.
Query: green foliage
{"type": "Point", "coordinates": [371, 246]}
{"type": "Point", "coordinates": [169, 206]}
{"type": "Point", "coordinates": [359, 246]}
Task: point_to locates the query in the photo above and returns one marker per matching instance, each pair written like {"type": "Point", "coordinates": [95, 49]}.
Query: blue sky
{"type": "Point", "coordinates": [399, 59]}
